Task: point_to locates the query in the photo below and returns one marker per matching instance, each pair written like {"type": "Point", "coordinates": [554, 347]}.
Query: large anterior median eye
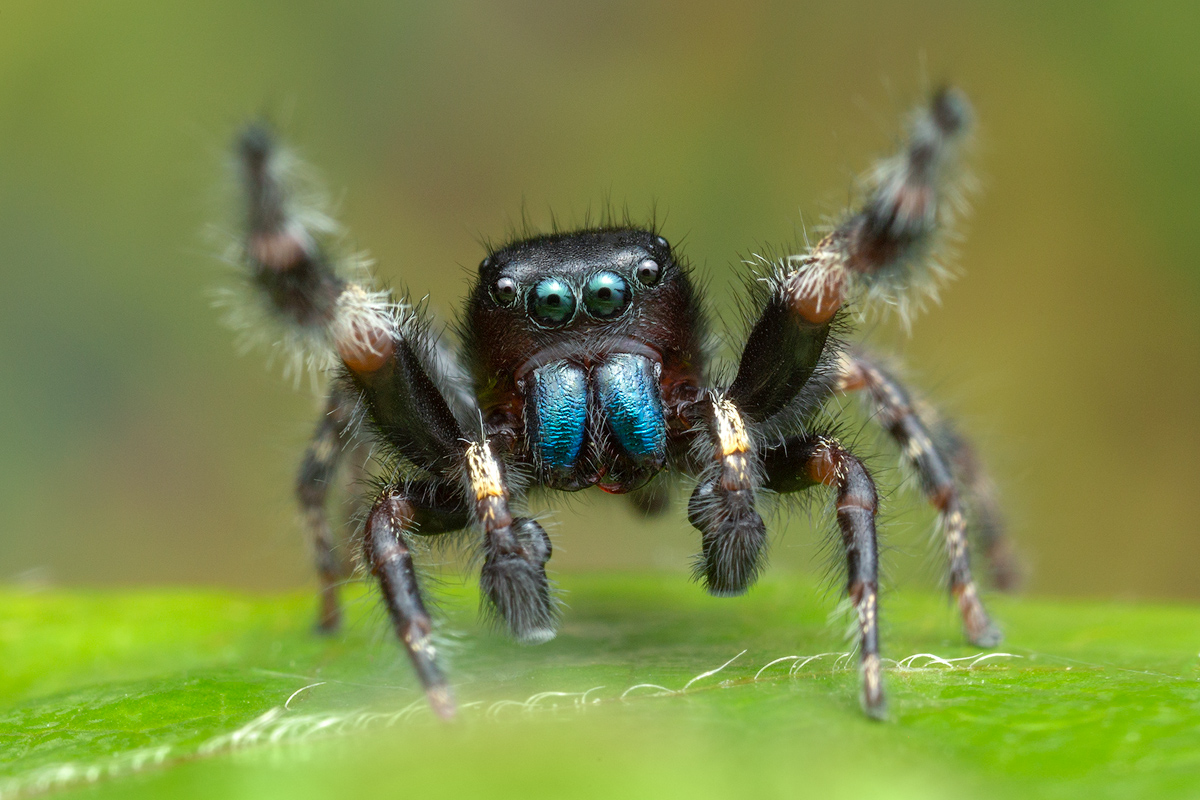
{"type": "Point", "coordinates": [551, 303]}
{"type": "Point", "coordinates": [606, 295]}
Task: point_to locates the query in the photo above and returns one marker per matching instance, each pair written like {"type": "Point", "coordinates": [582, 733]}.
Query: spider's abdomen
{"type": "Point", "coordinates": [599, 425]}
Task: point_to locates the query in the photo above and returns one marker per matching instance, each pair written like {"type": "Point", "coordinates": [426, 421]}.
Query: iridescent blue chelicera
{"type": "Point", "coordinates": [629, 396]}
{"type": "Point", "coordinates": [559, 403]}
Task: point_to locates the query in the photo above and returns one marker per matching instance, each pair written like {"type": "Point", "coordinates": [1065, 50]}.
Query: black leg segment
{"type": "Point", "coordinates": [317, 471]}
{"type": "Point", "coordinates": [814, 460]}
{"type": "Point", "coordinates": [782, 353]}
{"type": "Point", "coordinates": [391, 563]}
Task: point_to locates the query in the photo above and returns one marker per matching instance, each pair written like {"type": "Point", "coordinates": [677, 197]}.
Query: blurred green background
{"type": "Point", "coordinates": [136, 447]}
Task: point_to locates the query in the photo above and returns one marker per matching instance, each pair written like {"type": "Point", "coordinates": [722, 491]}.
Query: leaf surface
{"type": "Point", "coordinates": [205, 694]}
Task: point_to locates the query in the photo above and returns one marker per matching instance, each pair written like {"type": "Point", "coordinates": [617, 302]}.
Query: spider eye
{"type": "Point", "coordinates": [504, 291]}
{"type": "Point", "coordinates": [606, 295]}
{"type": "Point", "coordinates": [648, 272]}
{"type": "Point", "coordinates": [551, 303]}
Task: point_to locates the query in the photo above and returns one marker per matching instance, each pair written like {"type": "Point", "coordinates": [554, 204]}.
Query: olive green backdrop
{"type": "Point", "coordinates": [136, 447]}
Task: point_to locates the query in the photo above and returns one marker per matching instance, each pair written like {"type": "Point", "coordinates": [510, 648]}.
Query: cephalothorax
{"type": "Point", "coordinates": [582, 363]}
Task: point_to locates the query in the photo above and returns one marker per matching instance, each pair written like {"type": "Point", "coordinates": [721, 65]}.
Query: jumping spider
{"type": "Point", "coordinates": [582, 363]}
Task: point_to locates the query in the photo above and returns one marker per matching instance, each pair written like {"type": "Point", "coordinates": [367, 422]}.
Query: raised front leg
{"type": "Point", "coordinates": [886, 251]}
{"type": "Point", "coordinates": [818, 460]}
{"type": "Point", "coordinates": [326, 309]}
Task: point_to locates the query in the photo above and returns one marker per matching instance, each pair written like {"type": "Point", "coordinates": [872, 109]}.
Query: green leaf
{"type": "Point", "coordinates": [204, 694]}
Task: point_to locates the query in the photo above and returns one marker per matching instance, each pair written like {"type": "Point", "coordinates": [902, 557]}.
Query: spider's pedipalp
{"type": "Point", "coordinates": [722, 506]}
{"type": "Point", "coordinates": [515, 589]}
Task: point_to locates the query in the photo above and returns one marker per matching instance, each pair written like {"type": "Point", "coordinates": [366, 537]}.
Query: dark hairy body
{"type": "Point", "coordinates": [582, 363]}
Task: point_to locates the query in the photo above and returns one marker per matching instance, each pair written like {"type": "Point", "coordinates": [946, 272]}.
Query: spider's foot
{"type": "Point", "coordinates": [874, 703]}
{"type": "Point", "coordinates": [329, 617]}
{"type": "Point", "coordinates": [441, 701]}
{"type": "Point", "coordinates": [988, 636]}
{"type": "Point", "coordinates": [978, 626]}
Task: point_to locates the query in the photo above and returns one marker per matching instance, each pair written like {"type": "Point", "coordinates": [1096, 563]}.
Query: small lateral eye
{"type": "Point", "coordinates": [648, 272]}
{"type": "Point", "coordinates": [504, 291]}
{"type": "Point", "coordinates": [551, 303]}
{"type": "Point", "coordinates": [606, 295]}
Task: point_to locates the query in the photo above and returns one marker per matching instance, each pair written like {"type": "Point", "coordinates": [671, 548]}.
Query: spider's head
{"type": "Point", "coordinates": [578, 297]}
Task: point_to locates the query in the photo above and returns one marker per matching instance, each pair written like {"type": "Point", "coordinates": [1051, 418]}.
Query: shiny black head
{"type": "Point", "coordinates": [577, 296]}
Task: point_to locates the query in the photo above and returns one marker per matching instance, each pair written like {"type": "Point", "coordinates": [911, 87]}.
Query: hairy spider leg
{"type": "Point", "coordinates": [390, 561]}
{"type": "Point", "coordinates": [325, 452]}
{"type": "Point", "coordinates": [808, 461]}
{"type": "Point", "coordinates": [790, 361]}
{"type": "Point", "coordinates": [894, 411]}
{"type": "Point", "coordinates": [409, 412]}
{"type": "Point", "coordinates": [286, 265]}
{"type": "Point", "coordinates": [781, 374]}
{"type": "Point", "coordinates": [397, 380]}
{"type": "Point", "coordinates": [983, 506]}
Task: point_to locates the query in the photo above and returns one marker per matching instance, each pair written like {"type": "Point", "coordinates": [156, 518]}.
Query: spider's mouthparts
{"type": "Point", "coordinates": [586, 353]}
